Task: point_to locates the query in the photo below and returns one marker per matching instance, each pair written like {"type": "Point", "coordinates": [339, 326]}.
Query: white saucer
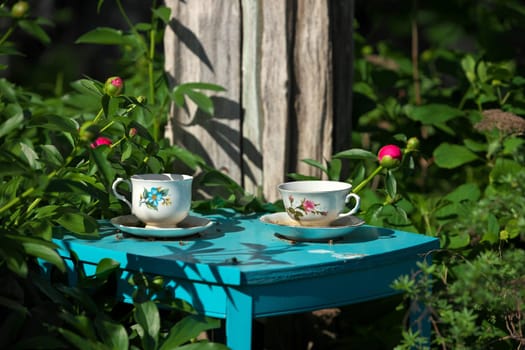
{"type": "Point", "coordinates": [190, 225]}
{"type": "Point", "coordinates": [288, 228]}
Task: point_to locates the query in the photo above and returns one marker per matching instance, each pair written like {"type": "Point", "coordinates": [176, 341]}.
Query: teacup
{"type": "Point", "coordinates": [317, 203]}
{"type": "Point", "coordinates": [158, 200]}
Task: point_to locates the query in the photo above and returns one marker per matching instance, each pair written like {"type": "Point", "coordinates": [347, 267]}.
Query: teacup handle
{"type": "Point", "coordinates": [357, 204]}
{"type": "Point", "coordinates": [118, 195]}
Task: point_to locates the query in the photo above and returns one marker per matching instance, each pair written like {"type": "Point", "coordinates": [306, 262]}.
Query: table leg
{"type": "Point", "coordinates": [239, 316]}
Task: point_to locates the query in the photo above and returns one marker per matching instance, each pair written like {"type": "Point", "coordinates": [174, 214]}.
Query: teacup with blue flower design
{"type": "Point", "coordinates": [317, 202]}
{"type": "Point", "coordinates": [158, 200]}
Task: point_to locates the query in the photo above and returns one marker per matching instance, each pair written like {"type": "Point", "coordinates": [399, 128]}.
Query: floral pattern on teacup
{"type": "Point", "coordinates": [305, 207]}
{"type": "Point", "coordinates": [154, 197]}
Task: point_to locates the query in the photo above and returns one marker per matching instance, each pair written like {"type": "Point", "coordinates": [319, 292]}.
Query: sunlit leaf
{"type": "Point", "coordinates": [355, 153]}
{"type": "Point", "coordinates": [451, 156]}
{"type": "Point", "coordinates": [77, 222]}
{"type": "Point", "coordinates": [147, 316]}
{"type": "Point", "coordinates": [103, 36]}
{"type": "Point", "coordinates": [188, 328]}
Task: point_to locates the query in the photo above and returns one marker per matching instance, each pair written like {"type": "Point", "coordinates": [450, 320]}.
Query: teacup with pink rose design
{"type": "Point", "coordinates": [318, 202]}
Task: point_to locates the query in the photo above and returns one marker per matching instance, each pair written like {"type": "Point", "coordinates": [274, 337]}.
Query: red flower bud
{"type": "Point", "coordinates": [390, 156]}
{"type": "Point", "coordinates": [114, 86]}
{"type": "Point", "coordinates": [101, 140]}
{"type": "Point", "coordinates": [132, 132]}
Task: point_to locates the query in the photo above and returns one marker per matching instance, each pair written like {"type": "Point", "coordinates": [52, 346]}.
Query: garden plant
{"type": "Point", "coordinates": [437, 149]}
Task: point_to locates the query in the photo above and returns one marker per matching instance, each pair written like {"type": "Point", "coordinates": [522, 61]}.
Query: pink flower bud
{"type": "Point", "coordinates": [390, 156]}
{"type": "Point", "coordinates": [132, 132]}
{"type": "Point", "coordinates": [101, 140]}
{"type": "Point", "coordinates": [114, 86]}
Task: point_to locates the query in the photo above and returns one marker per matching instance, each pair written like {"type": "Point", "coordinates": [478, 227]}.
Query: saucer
{"type": "Point", "coordinates": [190, 225]}
{"type": "Point", "coordinates": [290, 229]}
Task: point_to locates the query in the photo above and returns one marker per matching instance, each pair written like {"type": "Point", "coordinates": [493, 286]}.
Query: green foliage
{"type": "Point", "coordinates": [59, 158]}
{"type": "Point", "coordinates": [475, 303]}
{"type": "Point", "coordinates": [465, 103]}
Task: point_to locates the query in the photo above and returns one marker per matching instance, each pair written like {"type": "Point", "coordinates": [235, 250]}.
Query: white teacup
{"type": "Point", "coordinates": [158, 200]}
{"type": "Point", "coordinates": [317, 203]}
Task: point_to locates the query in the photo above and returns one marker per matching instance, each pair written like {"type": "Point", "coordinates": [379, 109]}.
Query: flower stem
{"type": "Point", "coordinates": [6, 35]}
{"type": "Point", "coordinates": [368, 179]}
{"type": "Point", "coordinates": [99, 114]}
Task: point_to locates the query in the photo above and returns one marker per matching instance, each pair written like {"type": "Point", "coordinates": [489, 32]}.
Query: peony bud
{"type": "Point", "coordinates": [101, 140]}
{"type": "Point", "coordinates": [114, 86]}
{"type": "Point", "coordinates": [412, 144]}
{"type": "Point", "coordinates": [390, 156]}
{"type": "Point", "coordinates": [19, 9]}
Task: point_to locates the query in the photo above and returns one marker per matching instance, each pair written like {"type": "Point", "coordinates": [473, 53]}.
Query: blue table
{"type": "Point", "coordinates": [239, 269]}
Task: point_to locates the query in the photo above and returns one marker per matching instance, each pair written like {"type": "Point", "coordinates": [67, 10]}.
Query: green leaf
{"type": "Point", "coordinates": [452, 156]}
{"type": "Point", "coordinates": [81, 342]}
{"type": "Point", "coordinates": [391, 184]}
{"type": "Point", "coordinates": [188, 328]}
{"type": "Point", "coordinates": [11, 124]}
{"type": "Point", "coordinates": [515, 227]}
{"type": "Point", "coordinates": [30, 155]}
{"type": "Point", "coordinates": [113, 107]}
{"type": "Point", "coordinates": [147, 316]}
{"type": "Point", "coordinates": [87, 86]}
{"type": "Point", "coordinates": [300, 177]}
{"type": "Point", "coordinates": [334, 169]}
{"type": "Point", "coordinates": [7, 89]}
{"type": "Point", "coordinates": [493, 228]}
{"type": "Point", "coordinates": [39, 250]}
{"type": "Point", "coordinates": [106, 266]}
{"type": "Point", "coordinates": [355, 153]}
{"type": "Point", "coordinates": [112, 334]}
{"type": "Point", "coordinates": [188, 158]}
{"type": "Point", "coordinates": [465, 192]}
{"type": "Point", "coordinates": [127, 150]}
{"type": "Point", "coordinates": [475, 146]}
{"type": "Point", "coordinates": [315, 164]}
{"type": "Point", "coordinates": [163, 13]}
{"type": "Point", "coordinates": [55, 122]}
{"type": "Point", "coordinates": [100, 156]}
{"type": "Point", "coordinates": [214, 178]}
{"type": "Point", "coordinates": [33, 29]}
{"type": "Point", "coordinates": [512, 145]}
{"type": "Point", "coordinates": [202, 101]}
{"type": "Point", "coordinates": [461, 240]}
{"type": "Point", "coordinates": [103, 36]}
{"type": "Point", "coordinates": [51, 155]}
{"type": "Point", "coordinates": [202, 86]}
{"type": "Point", "coordinates": [505, 167]}
{"type": "Point", "coordinates": [77, 222]}
{"type": "Point", "coordinates": [433, 114]}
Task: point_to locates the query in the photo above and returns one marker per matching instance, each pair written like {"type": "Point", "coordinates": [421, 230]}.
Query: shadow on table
{"type": "Point", "coordinates": [367, 233]}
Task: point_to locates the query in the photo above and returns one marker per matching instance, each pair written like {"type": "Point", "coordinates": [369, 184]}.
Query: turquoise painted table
{"type": "Point", "coordinates": [239, 269]}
